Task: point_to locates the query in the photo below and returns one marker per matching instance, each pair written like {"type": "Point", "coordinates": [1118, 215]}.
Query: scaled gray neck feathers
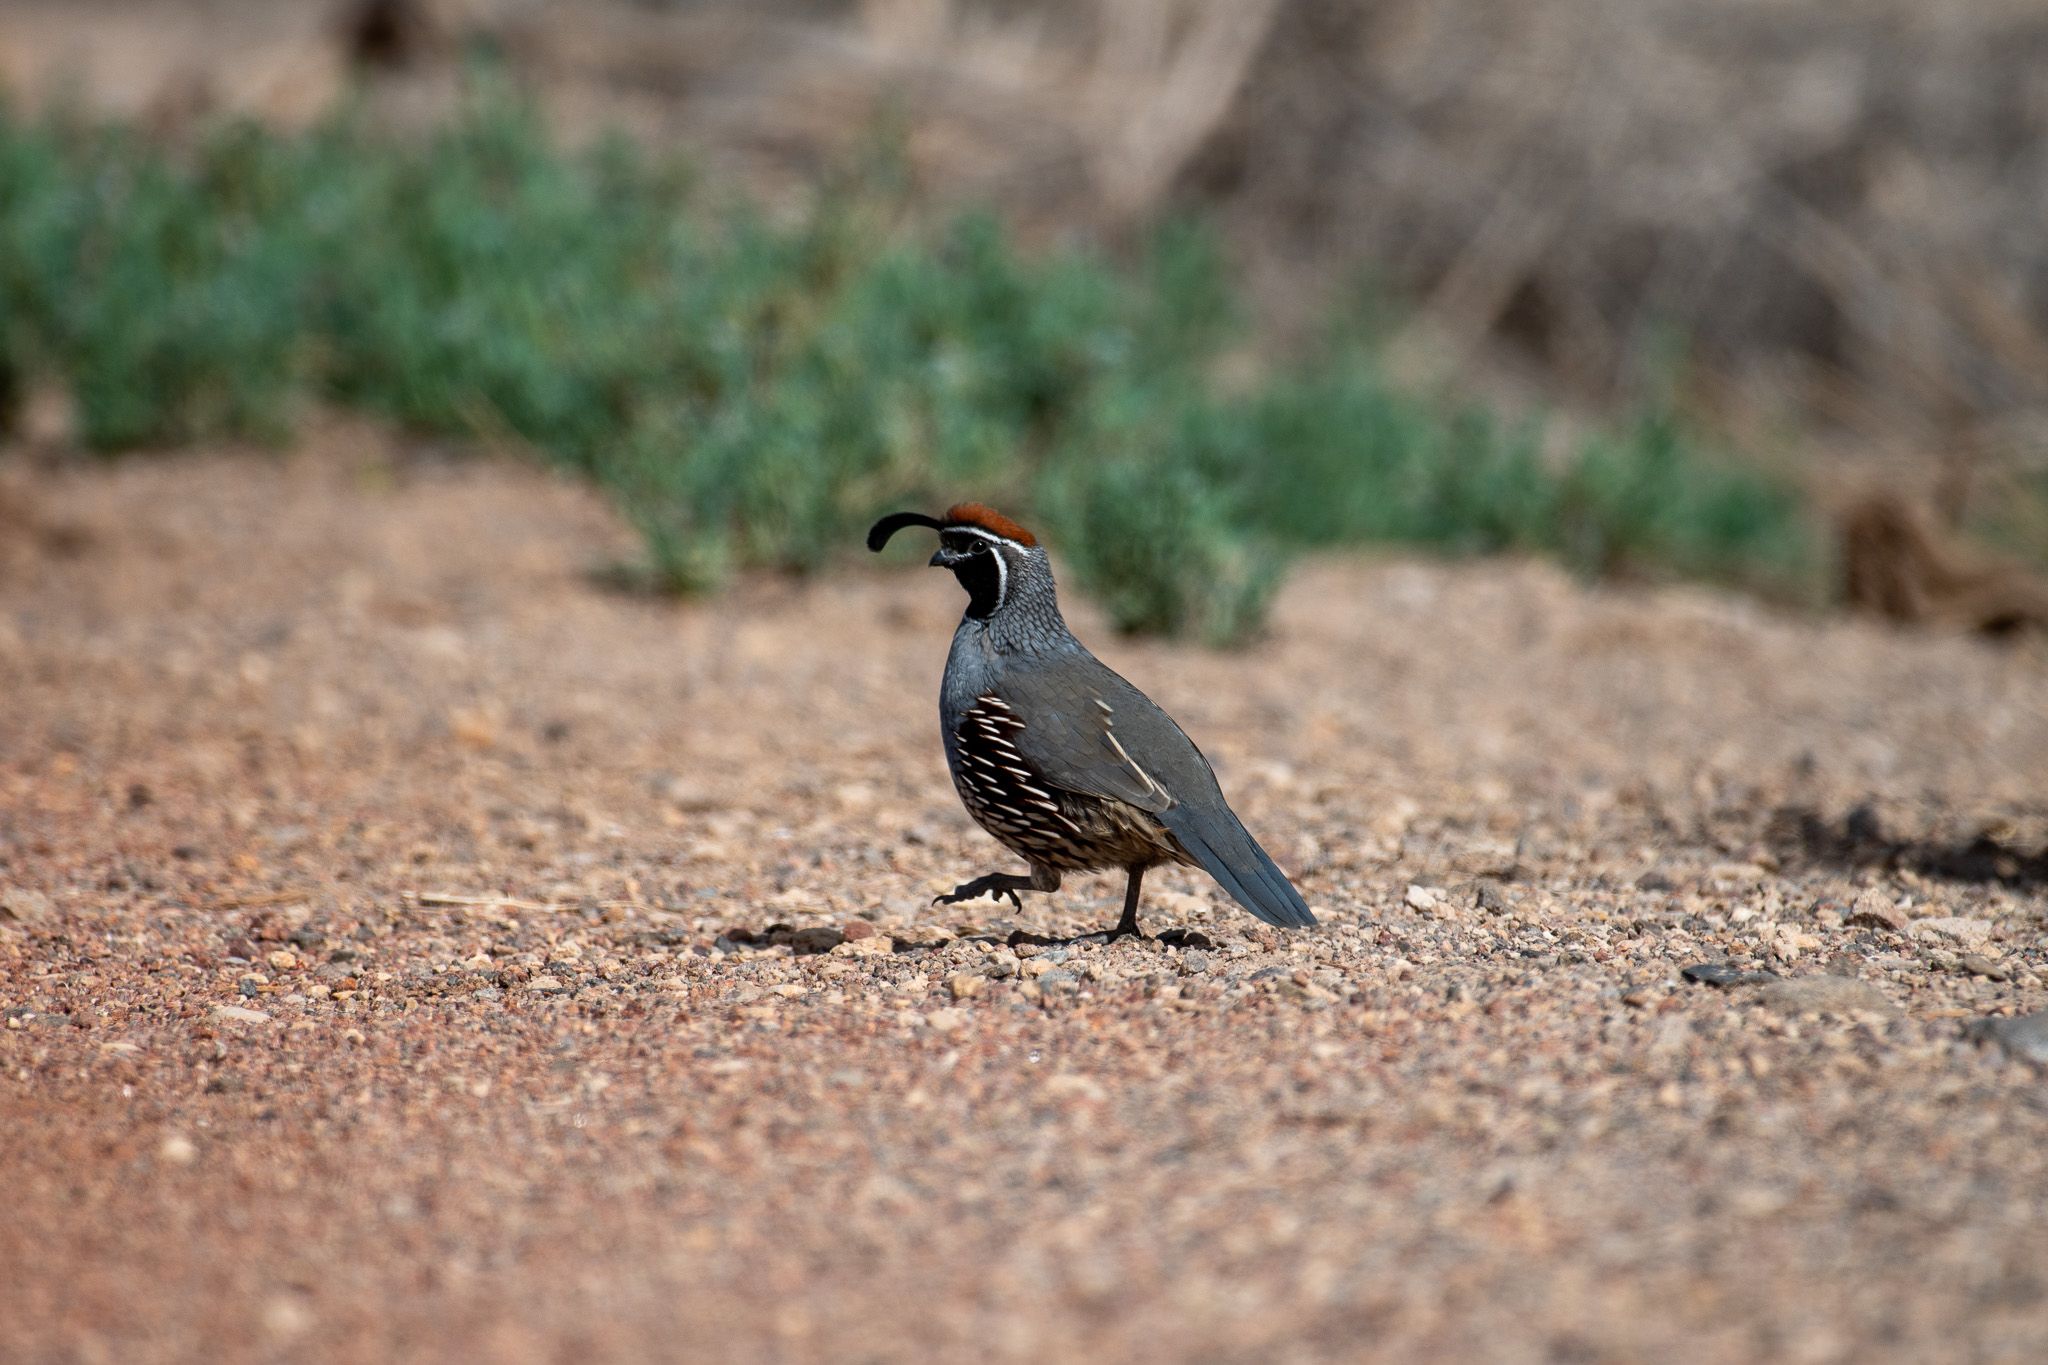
{"type": "Point", "coordinates": [1027, 617]}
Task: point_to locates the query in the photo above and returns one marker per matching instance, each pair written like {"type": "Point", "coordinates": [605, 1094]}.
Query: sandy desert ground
{"type": "Point", "coordinates": [413, 946]}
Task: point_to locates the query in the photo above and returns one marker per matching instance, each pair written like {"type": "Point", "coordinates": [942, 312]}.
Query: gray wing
{"type": "Point", "coordinates": [1092, 732]}
{"type": "Point", "coordinates": [1072, 735]}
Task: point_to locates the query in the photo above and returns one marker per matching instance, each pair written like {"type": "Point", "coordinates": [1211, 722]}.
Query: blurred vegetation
{"type": "Point", "coordinates": [755, 388]}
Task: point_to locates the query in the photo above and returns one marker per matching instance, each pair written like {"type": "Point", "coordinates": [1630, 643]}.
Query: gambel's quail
{"type": "Point", "coordinates": [1068, 766]}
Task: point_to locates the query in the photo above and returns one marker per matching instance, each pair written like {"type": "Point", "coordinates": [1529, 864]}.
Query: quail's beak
{"type": "Point", "coordinates": [943, 558]}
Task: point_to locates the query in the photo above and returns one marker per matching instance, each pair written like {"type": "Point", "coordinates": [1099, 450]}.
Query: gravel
{"type": "Point", "coordinates": [609, 1016]}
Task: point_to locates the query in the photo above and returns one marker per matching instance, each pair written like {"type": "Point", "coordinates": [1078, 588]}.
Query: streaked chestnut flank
{"type": "Point", "coordinates": [1060, 759]}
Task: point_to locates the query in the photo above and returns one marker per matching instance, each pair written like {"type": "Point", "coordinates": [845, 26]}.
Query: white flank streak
{"type": "Point", "coordinates": [1143, 776]}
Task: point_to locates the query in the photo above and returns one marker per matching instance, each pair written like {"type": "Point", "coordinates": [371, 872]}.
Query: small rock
{"type": "Point", "coordinates": [1068, 1085]}
{"type": "Point", "coordinates": [946, 1020]}
{"type": "Point", "coordinates": [878, 945]}
{"type": "Point", "coordinates": [286, 1316]}
{"type": "Point", "coordinates": [1965, 933]}
{"type": "Point", "coordinates": [177, 1150]}
{"type": "Point", "coordinates": [817, 939]}
{"type": "Point", "coordinates": [1724, 974]}
{"type": "Point", "coordinates": [1873, 910]}
{"type": "Point", "coordinates": [857, 929]}
{"type": "Point", "coordinates": [240, 1014]}
{"type": "Point", "coordinates": [1826, 995]}
{"type": "Point", "coordinates": [1486, 896]}
{"type": "Point", "coordinates": [282, 960]}
{"type": "Point", "coordinates": [1976, 964]}
{"type": "Point", "coordinates": [1654, 880]}
{"type": "Point", "coordinates": [1738, 873]}
{"type": "Point", "coordinates": [2024, 1036]}
{"type": "Point", "coordinates": [25, 906]}
{"type": "Point", "coordinates": [1423, 898]}
{"type": "Point", "coordinates": [544, 984]}
{"type": "Point", "coordinates": [1195, 962]}
{"type": "Point", "coordinates": [965, 985]}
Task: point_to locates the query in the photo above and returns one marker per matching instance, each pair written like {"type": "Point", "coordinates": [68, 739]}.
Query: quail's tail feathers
{"type": "Point", "coordinates": [1226, 851]}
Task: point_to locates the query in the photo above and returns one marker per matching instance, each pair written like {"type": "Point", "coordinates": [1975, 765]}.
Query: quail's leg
{"type": "Point", "coordinates": [1127, 927]}
{"type": "Point", "coordinates": [997, 885]}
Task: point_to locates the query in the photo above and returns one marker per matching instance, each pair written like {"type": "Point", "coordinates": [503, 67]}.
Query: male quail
{"type": "Point", "coordinates": [1068, 766]}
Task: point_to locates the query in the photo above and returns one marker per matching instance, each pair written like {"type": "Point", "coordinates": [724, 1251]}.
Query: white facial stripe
{"type": "Point", "coordinates": [978, 531]}
{"type": "Point", "coordinates": [1002, 564]}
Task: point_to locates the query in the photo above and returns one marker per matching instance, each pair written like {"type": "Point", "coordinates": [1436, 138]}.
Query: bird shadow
{"type": "Point", "coordinates": [808, 941]}
{"type": "Point", "coordinates": [813, 940]}
{"type": "Point", "coordinates": [1859, 840]}
{"type": "Point", "coordinates": [1167, 938]}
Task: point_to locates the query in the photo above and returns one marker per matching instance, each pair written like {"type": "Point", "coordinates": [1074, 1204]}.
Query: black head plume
{"type": "Point", "coordinates": [879, 533]}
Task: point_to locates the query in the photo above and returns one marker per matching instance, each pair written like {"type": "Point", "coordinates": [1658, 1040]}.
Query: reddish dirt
{"type": "Point", "coordinates": [388, 964]}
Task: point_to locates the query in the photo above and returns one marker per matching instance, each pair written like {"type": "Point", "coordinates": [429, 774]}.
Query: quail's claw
{"type": "Point", "coordinates": [995, 887]}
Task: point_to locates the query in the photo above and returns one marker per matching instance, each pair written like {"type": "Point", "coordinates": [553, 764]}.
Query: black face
{"type": "Point", "coordinates": [977, 562]}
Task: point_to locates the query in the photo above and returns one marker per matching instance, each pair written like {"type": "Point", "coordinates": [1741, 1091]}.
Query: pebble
{"type": "Point", "coordinates": [965, 985]}
{"type": "Point", "coordinates": [1976, 964]}
{"type": "Point", "coordinates": [816, 939]}
{"type": "Point", "coordinates": [1965, 933]}
{"type": "Point", "coordinates": [25, 906]}
{"type": "Point", "coordinates": [177, 1150]}
{"type": "Point", "coordinates": [240, 1014]}
{"type": "Point", "coordinates": [1874, 910]}
{"type": "Point", "coordinates": [1826, 995]}
{"type": "Point", "coordinates": [947, 1020]}
{"type": "Point", "coordinates": [857, 929]}
{"type": "Point", "coordinates": [1423, 898]}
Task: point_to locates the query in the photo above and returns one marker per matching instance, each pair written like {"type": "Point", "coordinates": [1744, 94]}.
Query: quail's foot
{"type": "Point", "coordinates": [995, 886]}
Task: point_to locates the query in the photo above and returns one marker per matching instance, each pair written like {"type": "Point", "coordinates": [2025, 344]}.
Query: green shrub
{"type": "Point", "coordinates": [754, 389]}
